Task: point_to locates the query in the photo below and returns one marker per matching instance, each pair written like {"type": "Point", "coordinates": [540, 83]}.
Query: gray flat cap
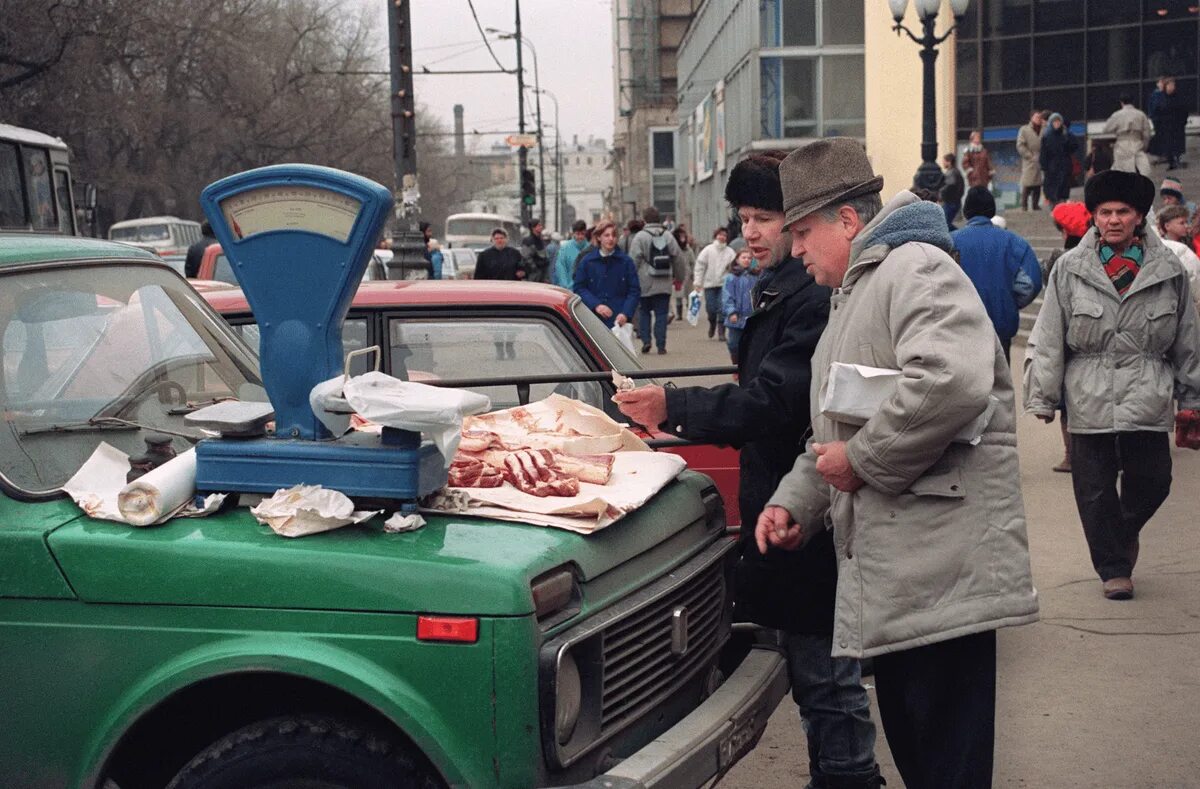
{"type": "Point", "coordinates": [824, 172]}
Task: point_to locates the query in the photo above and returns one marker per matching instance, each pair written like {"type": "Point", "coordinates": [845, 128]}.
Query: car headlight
{"type": "Point", "coordinates": [568, 697]}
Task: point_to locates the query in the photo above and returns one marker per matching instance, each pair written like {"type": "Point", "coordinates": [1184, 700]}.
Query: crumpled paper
{"type": "Point", "coordinates": [99, 488]}
{"type": "Point", "coordinates": [308, 509]}
{"type": "Point", "coordinates": [406, 405]}
{"type": "Point", "coordinates": [399, 523]}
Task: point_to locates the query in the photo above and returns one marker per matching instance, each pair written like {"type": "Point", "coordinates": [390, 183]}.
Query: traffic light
{"type": "Point", "coordinates": [528, 187]}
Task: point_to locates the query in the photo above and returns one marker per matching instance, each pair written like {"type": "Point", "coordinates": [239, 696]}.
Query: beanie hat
{"type": "Point", "coordinates": [1172, 187]}
{"type": "Point", "coordinates": [979, 202]}
{"type": "Point", "coordinates": [1132, 189]}
{"type": "Point", "coordinates": [1073, 217]}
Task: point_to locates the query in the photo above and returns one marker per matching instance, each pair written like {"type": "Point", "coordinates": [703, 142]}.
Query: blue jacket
{"type": "Point", "coordinates": [736, 297]}
{"type": "Point", "coordinates": [564, 262]}
{"type": "Point", "coordinates": [1003, 268]}
{"type": "Point", "coordinates": [611, 280]}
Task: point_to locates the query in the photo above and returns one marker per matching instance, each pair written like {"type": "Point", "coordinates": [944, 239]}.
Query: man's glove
{"type": "Point", "coordinates": [1187, 429]}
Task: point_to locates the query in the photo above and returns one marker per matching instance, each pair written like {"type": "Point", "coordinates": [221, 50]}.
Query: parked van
{"type": "Point", "coordinates": [166, 236]}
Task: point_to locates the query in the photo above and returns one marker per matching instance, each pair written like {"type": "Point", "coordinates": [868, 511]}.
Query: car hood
{"type": "Point", "coordinates": [452, 565]}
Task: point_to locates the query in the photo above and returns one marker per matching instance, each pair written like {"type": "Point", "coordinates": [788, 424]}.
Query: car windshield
{"type": "Point", "coordinates": [105, 353]}
{"type": "Point", "coordinates": [141, 233]}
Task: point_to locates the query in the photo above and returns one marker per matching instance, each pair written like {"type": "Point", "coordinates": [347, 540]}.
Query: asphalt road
{"type": "Point", "coordinates": [1098, 693]}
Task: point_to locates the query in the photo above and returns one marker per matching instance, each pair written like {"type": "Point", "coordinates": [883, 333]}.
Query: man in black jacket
{"type": "Point", "coordinates": [499, 261]}
{"type": "Point", "coordinates": [767, 414]}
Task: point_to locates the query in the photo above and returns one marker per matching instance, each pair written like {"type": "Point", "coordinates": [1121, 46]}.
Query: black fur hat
{"type": "Point", "coordinates": [1136, 191]}
{"type": "Point", "coordinates": [754, 182]}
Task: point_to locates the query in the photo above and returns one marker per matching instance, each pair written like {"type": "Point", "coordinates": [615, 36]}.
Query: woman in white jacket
{"type": "Point", "coordinates": [712, 264]}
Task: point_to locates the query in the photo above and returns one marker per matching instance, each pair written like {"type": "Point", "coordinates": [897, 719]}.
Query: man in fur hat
{"type": "Point", "coordinates": [1119, 336]}
{"type": "Point", "coordinates": [929, 530]}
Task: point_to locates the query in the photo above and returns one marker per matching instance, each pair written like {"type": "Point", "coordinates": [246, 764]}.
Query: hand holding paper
{"type": "Point", "coordinates": [834, 466]}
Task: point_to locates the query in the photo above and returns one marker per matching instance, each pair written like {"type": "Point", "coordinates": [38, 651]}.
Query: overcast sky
{"type": "Point", "coordinates": [573, 39]}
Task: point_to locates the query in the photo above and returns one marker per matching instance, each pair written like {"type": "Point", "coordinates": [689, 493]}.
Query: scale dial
{"type": "Point", "coordinates": [321, 211]}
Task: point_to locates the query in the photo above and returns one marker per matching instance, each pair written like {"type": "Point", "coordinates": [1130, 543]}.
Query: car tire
{"type": "Point", "coordinates": [306, 751]}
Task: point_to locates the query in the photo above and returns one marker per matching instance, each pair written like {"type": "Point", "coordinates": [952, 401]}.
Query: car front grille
{"type": "Point", "coordinates": [640, 662]}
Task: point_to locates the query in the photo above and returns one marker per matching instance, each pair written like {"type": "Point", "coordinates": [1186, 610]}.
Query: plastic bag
{"type": "Point", "coordinates": [624, 333]}
{"type": "Point", "coordinates": [693, 311]}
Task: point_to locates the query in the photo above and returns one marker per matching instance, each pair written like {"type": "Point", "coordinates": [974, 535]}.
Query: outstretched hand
{"type": "Point", "coordinates": [776, 528]}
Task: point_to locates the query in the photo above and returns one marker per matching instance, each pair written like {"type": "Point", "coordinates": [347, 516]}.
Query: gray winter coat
{"type": "Point", "coordinates": [933, 546]}
{"type": "Point", "coordinates": [1121, 361]}
{"type": "Point", "coordinates": [642, 247]}
{"type": "Point", "coordinates": [1029, 147]}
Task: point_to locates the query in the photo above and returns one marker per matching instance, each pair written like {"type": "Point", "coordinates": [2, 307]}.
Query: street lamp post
{"type": "Point", "coordinates": [929, 175]}
{"type": "Point", "coordinates": [558, 185]}
{"type": "Point", "coordinates": [537, 89]}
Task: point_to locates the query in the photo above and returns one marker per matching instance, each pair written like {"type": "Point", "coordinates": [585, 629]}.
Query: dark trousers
{"type": "Point", "coordinates": [1112, 520]}
{"type": "Point", "coordinates": [951, 211]}
{"type": "Point", "coordinates": [938, 708]}
{"type": "Point", "coordinates": [658, 305]}
{"type": "Point", "coordinates": [1031, 197]}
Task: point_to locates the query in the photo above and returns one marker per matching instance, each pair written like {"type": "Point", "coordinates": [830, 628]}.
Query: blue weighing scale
{"type": "Point", "coordinates": [299, 238]}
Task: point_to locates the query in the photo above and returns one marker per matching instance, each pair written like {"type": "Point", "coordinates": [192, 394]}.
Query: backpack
{"type": "Point", "coordinates": [661, 259]}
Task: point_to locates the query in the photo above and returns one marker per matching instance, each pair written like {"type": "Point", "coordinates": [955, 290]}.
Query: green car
{"type": "Point", "coordinates": [213, 653]}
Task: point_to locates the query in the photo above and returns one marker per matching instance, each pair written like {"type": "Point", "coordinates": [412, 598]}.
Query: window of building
{"type": "Point", "coordinates": [1169, 48]}
{"type": "Point", "coordinates": [1058, 14]}
{"type": "Point", "coordinates": [1112, 54]}
{"type": "Point", "coordinates": [1167, 9]}
{"type": "Point", "coordinates": [1006, 64]}
{"type": "Point", "coordinates": [662, 170]}
{"type": "Point", "coordinates": [814, 85]}
{"type": "Point", "coordinates": [1006, 17]}
{"type": "Point", "coordinates": [1056, 59]}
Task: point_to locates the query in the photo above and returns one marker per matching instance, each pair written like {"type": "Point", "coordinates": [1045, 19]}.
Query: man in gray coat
{"type": "Point", "coordinates": [659, 262]}
{"type": "Point", "coordinates": [929, 529]}
{"type": "Point", "coordinates": [1133, 130]}
{"type": "Point", "coordinates": [1118, 332]}
{"type": "Point", "coordinates": [1029, 148]}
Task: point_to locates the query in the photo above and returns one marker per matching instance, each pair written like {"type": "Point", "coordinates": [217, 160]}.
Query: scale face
{"type": "Point", "coordinates": [299, 238]}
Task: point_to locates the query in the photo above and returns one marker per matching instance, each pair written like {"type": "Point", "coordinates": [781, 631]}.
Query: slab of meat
{"type": "Point", "coordinates": [595, 469]}
{"type": "Point", "coordinates": [472, 473]}
{"type": "Point", "coordinates": [532, 471]}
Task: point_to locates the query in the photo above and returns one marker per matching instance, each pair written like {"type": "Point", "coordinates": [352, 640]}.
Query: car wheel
{"type": "Point", "coordinates": [305, 752]}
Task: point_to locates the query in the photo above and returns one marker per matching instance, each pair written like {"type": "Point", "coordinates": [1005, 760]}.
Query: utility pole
{"type": "Point", "coordinates": [408, 245]}
{"type": "Point", "coordinates": [541, 150]}
{"type": "Point", "coordinates": [523, 154]}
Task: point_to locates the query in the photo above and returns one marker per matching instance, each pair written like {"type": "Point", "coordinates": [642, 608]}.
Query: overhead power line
{"type": "Point", "coordinates": [483, 35]}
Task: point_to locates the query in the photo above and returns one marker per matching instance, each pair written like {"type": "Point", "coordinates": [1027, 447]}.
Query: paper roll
{"type": "Point", "coordinates": [158, 494]}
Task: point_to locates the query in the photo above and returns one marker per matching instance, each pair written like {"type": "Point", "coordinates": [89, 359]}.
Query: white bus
{"type": "Point", "coordinates": [474, 231]}
{"type": "Point", "coordinates": [35, 183]}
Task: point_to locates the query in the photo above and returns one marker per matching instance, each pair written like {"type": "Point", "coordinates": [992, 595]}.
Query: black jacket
{"type": "Point", "coordinates": [952, 187]}
{"type": "Point", "coordinates": [767, 414]}
{"type": "Point", "coordinates": [1056, 159]}
{"type": "Point", "coordinates": [195, 256]}
{"type": "Point", "coordinates": [494, 263]}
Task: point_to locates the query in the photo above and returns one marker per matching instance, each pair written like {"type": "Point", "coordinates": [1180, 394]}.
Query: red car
{"type": "Point", "coordinates": [483, 329]}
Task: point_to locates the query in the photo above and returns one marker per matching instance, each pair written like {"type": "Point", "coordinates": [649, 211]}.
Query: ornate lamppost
{"type": "Point", "coordinates": [929, 175]}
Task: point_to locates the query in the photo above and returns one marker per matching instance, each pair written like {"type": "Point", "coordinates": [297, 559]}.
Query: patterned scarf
{"type": "Point", "coordinates": [1122, 267]}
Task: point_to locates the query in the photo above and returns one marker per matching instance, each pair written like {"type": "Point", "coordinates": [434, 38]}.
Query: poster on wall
{"type": "Point", "coordinates": [719, 92]}
{"type": "Point", "coordinates": [706, 138]}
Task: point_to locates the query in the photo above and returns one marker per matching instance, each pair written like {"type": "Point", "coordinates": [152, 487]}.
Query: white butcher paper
{"type": "Point", "coordinates": [308, 509]}
{"type": "Point", "coordinates": [559, 424]}
{"type": "Point", "coordinates": [855, 392]}
{"type": "Point", "coordinates": [99, 488]}
{"type": "Point", "coordinates": [160, 492]}
{"type": "Point", "coordinates": [434, 410]}
{"type": "Point", "coordinates": [636, 477]}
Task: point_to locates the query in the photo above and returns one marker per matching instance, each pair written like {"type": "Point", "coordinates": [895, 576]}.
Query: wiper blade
{"type": "Point", "coordinates": [107, 423]}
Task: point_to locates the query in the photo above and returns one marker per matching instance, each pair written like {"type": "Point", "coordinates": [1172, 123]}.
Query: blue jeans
{"type": "Point", "coordinates": [834, 709]}
{"type": "Point", "coordinates": [733, 339]}
{"type": "Point", "coordinates": [658, 304]}
{"type": "Point", "coordinates": [951, 211]}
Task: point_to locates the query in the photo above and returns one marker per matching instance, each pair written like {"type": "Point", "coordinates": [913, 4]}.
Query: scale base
{"type": "Point", "coordinates": [396, 467]}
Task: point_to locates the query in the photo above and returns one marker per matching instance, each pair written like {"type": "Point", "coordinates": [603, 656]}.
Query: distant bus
{"type": "Point", "coordinates": [166, 236]}
{"type": "Point", "coordinates": [474, 231]}
{"type": "Point", "coordinates": [35, 183]}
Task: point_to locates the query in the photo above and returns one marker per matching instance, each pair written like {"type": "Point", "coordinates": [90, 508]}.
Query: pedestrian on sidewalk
{"type": "Point", "coordinates": [689, 254]}
{"type": "Point", "coordinates": [1133, 130]}
{"type": "Point", "coordinates": [1072, 219]}
{"type": "Point", "coordinates": [1119, 338]}
{"type": "Point", "coordinates": [976, 161]}
{"type": "Point", "coordinates": [766, 413]}
{"type": "Point", "coordinates": [606, 279]}
{"type": "Point", "coordinates": [1029, 146]}
{"type": "Point", "coordinates": [711, 266]}
{"type": "Point", "coordinates": [659, 261]}
{"type": "Point", "coordinates": [1169, 113]}
{"type": "Point", "coordinates": [1173, 229]}
{"type": "Point", "coordinates": [736, 299]}
{"type": "Point", "coordinates": [533, 251]}
{"type": "Point", "coordinates": [1000, 264]}
{"type": "Point", "coordinates": [1057, 158]}
{"type": "Point", "coordinates": [1099, 158]}
{"type": "Point", "coordinates": [951, 194]}
{"type": "Point", "coordinates": [568, 252]}
{"type": "Point", "coordinates": [929, 532]}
